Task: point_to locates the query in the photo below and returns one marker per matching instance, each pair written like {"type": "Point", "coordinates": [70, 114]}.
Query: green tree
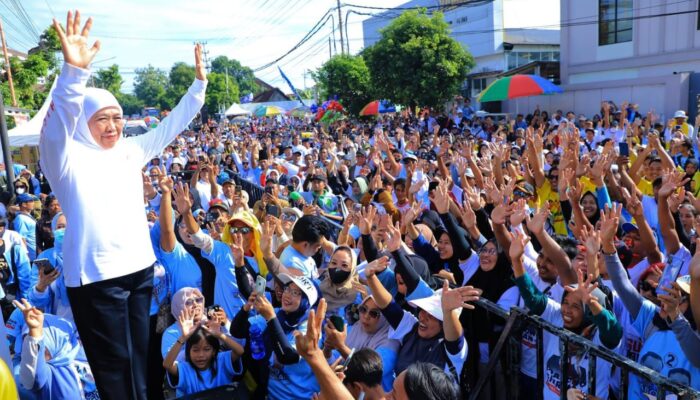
{"type": "Point", "coordinates": [217, 96]}
{"type": "Point", "coordinates": [130, 103]}
{"type": "Point", "coordinates": [109, 79]}
{"type": "Point", "coordinates": [149, 85]}
{"type": "Point", "coordinates": [244, 77]}
{"type": "Point", "coordinates": [416, 62]}
{"type": "Point", "coordinates": [347, 77]}
{"type": "Point", "coordinates": [179, 80]}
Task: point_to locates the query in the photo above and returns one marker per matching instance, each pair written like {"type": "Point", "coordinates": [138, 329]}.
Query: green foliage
{"type": "Point", "coordinates": [179, 80]}
{"type": "Point", "coordinates": [149, 86]}
{"type": "Point", "coordinates": [130, 103]}
{"type": "Point", "coordinates": [244, 77]}
{"type": "Point", "coordinates": [416, 62]}
{"type": "Point", "coordinates": [347, 77]}
{"type": "Point", "coordinates": [109, 79]}
{"type": "Point", "coordinates": [10, 122]}
{"type": "Point", "coordinates": [216, 96]}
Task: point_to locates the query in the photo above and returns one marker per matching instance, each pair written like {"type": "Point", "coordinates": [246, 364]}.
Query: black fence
{"type": "Point", "coordinates": [509, 345]}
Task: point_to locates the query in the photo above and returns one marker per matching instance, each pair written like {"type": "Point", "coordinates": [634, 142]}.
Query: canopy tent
{"type": "Point", "coordinates": [236, 109]}
{"type": "Point", "coordinates": [28, 133]}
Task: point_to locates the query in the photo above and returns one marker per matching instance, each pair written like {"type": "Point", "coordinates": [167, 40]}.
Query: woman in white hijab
{"type": "Point", "coordinates": [96, 174]}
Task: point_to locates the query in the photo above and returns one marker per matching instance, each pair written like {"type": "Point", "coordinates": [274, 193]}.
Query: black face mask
{"type": "Point", "coordinates": [338, 276]}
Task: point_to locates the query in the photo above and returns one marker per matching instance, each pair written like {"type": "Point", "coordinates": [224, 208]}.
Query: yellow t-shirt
{"type": "Point", "coordinates": [645, 187]}
{"type": "Point", "coordinates": [546, 193]}
{"type": "Point", "coordinates": [8, 390]}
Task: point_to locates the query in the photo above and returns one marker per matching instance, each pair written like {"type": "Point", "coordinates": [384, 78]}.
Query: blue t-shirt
{"type": "Point", "coordinates": [291, 258]}
{"type": "Point", "coordinates": [182, 268]}
{"type": "Point", "coordinates": [26, 226]}
{"type": "Point", "coordinates": [295, 381]}
{"type": "Point", "coordinates": [226, 292]}
{"type": "Point", "coordinates": [189, 382]}
{"type": "Point", "coordinates": [662, 353]}
{"type": "Point", "coordinates": [161, 285]}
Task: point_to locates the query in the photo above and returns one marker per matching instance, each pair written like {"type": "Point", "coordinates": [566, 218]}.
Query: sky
{"type": "Point", "coordinates": [134, 33]}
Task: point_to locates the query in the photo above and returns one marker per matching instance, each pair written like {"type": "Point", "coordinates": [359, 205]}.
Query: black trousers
{"type": "Point", "coordinates": [112, 318]}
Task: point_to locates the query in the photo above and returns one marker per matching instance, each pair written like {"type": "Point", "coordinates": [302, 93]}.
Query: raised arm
{"type": "Point", "coordinates": [671, 180]}
{"type": "Point", "coordinates": [167, 230]}
{"type": "Point", "coordinates": [550, 248]}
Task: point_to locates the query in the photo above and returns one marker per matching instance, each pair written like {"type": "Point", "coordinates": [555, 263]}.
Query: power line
{"type": "Point", "coordinates": [446, 6]}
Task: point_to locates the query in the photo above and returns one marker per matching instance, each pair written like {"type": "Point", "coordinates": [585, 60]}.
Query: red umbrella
{"type": "Point", "coordinates": [372, 108]}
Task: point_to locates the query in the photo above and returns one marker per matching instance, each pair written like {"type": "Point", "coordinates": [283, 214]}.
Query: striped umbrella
{"type": "Point", "coordinates": [511, 87]}
{"type": "Point", "coordinates": [266, 111]}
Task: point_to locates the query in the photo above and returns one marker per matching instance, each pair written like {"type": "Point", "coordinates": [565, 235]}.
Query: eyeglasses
{"type": "Point", "coordinates": [289, 217]}
{"type": "Point", "coordinates": [190, 302]}
{"type": "Point", "coordinates": [374, 313]}
{"type": "Point", "coordinates": [242, 230]}
{"type": "Point", "coordinates": [490, 251]}
{"type": "Point", "coordinates": [293, 292]}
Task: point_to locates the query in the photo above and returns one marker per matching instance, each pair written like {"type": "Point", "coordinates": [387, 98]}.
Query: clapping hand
{"type": "Point", "coordinates": [74, 42]}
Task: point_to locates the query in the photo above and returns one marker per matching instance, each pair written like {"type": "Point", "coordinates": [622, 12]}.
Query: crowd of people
{"type": "Point", "coordinates": [353, 265]}
{"type": "Point", "coordinates": [590, 223]}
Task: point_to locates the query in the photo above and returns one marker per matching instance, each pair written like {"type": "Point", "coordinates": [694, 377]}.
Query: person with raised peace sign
{"type": "Point", "coordinates": [108, 261]}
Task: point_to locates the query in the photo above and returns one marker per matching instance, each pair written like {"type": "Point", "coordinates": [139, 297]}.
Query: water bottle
{"type": "Point", "coordinates": [257, 344]}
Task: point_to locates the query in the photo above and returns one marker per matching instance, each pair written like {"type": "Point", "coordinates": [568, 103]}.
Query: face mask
{"type": "Point", "coordinates": [337, 275]}
{"type": "Point", "coordinates": [58, 235]}
{"type": "Point", "coordinates": [20, 190]}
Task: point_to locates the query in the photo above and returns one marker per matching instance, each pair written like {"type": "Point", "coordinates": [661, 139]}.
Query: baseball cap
{"type": "Point", "coordinates": [304, 283]}
{"type": "Point", "coordinates": [432, 305]}
{"type": "Point", "coordinates": [25, 198]}
{"type": "Point", "coordinates": [218, 203]}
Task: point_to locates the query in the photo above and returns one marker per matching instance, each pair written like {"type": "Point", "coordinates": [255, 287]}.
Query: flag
{"type": "Point", "coordinates": [291, 86]}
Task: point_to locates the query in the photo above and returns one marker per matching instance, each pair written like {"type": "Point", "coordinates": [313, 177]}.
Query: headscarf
{"type": "Point", "coordinates": [252, 222]}
{"type": "Point", "coordinates": [60, 339]}
{"type": "Point", "coordinates": [359, 339]}
{"type": "Point", "coordinates": [94, 99]}
{"type": "Point", "coordinates": [339, 295]}
{"type": "Point", "coordinates": [291, 321]}
{"type": "Point", "coordinates": [61, 293]}
{"type": "Point", "coordinates": [364, 187]}
{"type": "Point", "coordinates": [177, 304]}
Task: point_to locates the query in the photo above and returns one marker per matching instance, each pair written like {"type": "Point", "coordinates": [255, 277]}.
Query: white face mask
{"type": "Point", "coordinates": [20, 190]}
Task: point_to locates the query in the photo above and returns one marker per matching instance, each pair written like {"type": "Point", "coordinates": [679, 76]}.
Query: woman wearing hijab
{"type": "Point", "coordinates": [249, 256]}
{"type": "Point", "coordinates": [370, 331]}
{"type": "Point", "coordinates": [290, 376]}
{"type": "Point", "coordinates": [49, 290]}
{"type": "Point", "coordinates": [94, 171]}
{"type": "Point", "coordinates": [53, 363]}
{"type": "Point", "coordinates": [339, 280]}
{"type": "Point", "coordinates": [187, 298]}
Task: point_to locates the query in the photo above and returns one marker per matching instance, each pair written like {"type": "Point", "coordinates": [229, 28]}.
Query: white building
{"type": "Point", "coordinates": [500, 35]}
{"type": "Point", "coordinates": [645, 51]}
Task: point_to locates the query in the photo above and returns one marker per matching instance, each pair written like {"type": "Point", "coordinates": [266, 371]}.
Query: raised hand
{"type": "Point", "coordinates": [366, 219]}
{"type": "Point", "coordinates": [590, 239]}
{"type": "Point", "coordinates": [412, 213]}
{"type": "Point", "coordinates": [676, 199]}
{"type": "Point", "coordinates": [166, 184]}
{"type": "Point", "coordinates": [237, 249]}
{"type": "Point", "coordinates": [609, 219]}
{"type": "Point", "coordinates": [376, 266]}
{"type": "Point", "coordinates": [518, 242]}
{"type": "Point", "coordinates": [185, 321]}
{"type": "Point", "coordinates": [264, 308]}
{"type": "Point", "coordinates": [500, 213]}
{"type": "Point", "coordinates": [455, 299]}
{"type": "Point", "coordinates": [671, 301]}
{"type": "Point", "coordinates": [393, 241]}
{"type": "Point", "coordinates": [182, 198]}
{"type": "Point", "coordinates": [307, 345]}
{"type": "Point", "coordinates": [468, 216]}
{"type": "Point", "coordinates": [74, 42]}
{"type": "Point", "coordinates": [33, 317]}
{"type": "Point", "coordinates": [671, 180]}
{"type": "Point", "coordinates": [520, 212]}
{"type": "Point", "coordinates": [634, 206]}
{"type": "Point", "coordinates": [585, 288]}
{"type": "Point", "coordinates": [536, 223]}
{"type": "Point", "coordinates": [46, 279]}
{"type": "Point", "coordinates": [442, 198]}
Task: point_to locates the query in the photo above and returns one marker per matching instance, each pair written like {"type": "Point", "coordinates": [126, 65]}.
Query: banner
{"type": "Point", "coordinates": [291, 86]}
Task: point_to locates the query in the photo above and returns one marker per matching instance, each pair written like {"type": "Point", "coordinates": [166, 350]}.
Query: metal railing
{"type": "Point", "coordinates": [516, 318]}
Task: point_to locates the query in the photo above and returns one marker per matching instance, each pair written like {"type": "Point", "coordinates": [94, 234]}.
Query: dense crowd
{"type": "Point", "coordinates": [590, 222]}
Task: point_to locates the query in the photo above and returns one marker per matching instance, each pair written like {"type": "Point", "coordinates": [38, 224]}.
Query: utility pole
{"type": "Point", "coordinates": [330, 49]}
{"type": "Point", "coordinates": [205, 56]}
{"type": "Point", "coordinates": [7, 66]}
{"type": "Point", "coordinates": [5, 143]}
{"type": "Point", "coordinates": [340, 27]}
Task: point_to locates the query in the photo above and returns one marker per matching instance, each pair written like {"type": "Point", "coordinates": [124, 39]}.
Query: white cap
{"type": "Point", "coordinates": [680, 114]}
{"type": "Point", "coordinates": [432, 305]}
{"type": "Point", "coordinates": [304, 284]}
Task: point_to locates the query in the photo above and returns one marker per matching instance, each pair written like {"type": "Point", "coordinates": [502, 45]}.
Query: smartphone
{"type": "Point", "coordinates": [238, 190]}
{"type": "Point", "coordinates": [273, 210]}
{"type": "Point", "coordinates": [669, 275]}
{"type": "Point", "coordinates": [268, 190]}
{"type": "Point", "coordinates": [45, 265]}
{"type": "Point", "coordinates": [338, 323]}
{"type": "Point", "coordinates": [347, 360]}
{"type": "Point", "coordinates": [357, 208]}
{"type": "Point", "coordinates": [260, 284]}
{"type": "Point", "coordinates": [624, 149]}
{"type": "Point", "coordinates": [432, 186]}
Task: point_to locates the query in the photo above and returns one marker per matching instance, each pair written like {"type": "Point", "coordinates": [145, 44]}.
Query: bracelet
{"type": "Point", "coordinates": [179, 341]}
{"type": "Point", "coordinates": [608, 254]}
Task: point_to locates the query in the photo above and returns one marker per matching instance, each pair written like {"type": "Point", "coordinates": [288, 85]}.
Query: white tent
{"type": "Point", "coordinates": [28, 133]}
{"type": "Point", "coordinates": [236, 109]}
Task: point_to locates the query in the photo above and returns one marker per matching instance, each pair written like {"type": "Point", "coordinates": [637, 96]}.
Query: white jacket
{"type": "Point", "coordinates": [100, 190]}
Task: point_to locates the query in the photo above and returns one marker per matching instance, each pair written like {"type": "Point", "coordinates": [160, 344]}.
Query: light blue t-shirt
{"type": "Point", "coordinates": [182, 268]}
{"type": "Point", "coordinates": [189, 382]}
{"type": "Point", "coordinates": [226, 292]}
{"type": "Point", "coordinates": [26, 226]}
{"type": "Point", "coordinates": [662, 353]}
{"type": "Point", "coordinates": [291, 258]}
{"type": "Point", "coordinates": [295, 381]}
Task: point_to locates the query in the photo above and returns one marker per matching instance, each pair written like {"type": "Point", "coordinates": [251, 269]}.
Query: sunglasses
{"type": "Point", "coordinates": [242, 230]}
{"type": "Point", "coordinates": [289, 217]}
{"type": "Point", "coordinates": [372, 313]}
{"type": "Point", "coordinates": [190, 302]}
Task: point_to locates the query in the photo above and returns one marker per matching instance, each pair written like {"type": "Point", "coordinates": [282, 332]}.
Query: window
{"type": "Point", "coordinates": [478, 85]}
{"type": "Point", "coordinates": [614, 21]}
{"type": "Point", "coordinates": [515, 59]}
